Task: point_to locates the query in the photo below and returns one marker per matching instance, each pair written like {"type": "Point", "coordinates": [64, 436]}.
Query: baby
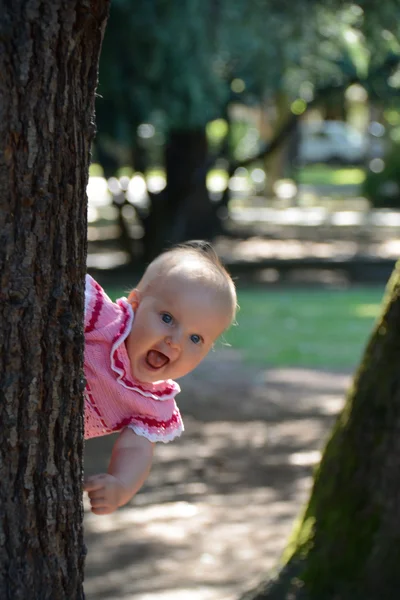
{"type": "Point", "coordinates": [136, 347]}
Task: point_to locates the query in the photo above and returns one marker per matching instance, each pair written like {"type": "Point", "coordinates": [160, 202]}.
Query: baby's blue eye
{"type": "Point", "coordinates": [196, 339]}
{"type": "Point", "coordinates": [166, 318]}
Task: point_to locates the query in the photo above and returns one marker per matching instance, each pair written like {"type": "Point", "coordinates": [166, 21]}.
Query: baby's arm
{"type": "Point", "coordinates": [129, 466]}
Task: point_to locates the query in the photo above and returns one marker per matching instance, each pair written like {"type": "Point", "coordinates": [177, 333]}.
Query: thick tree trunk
{"type": "Point", "coordinates": [183, 210]}
{"type": "Point", "coordinates": [48, 63]}
{"type": "Point", "coordinates": [347, 545]}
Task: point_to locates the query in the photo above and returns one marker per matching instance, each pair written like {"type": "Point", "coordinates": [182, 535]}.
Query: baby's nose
{"type": "Point", "coordinates": [173, 340]}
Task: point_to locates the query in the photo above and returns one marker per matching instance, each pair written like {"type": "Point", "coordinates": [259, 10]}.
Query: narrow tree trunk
{"type": "Point", "coordinates": [347, 545]}
{"type": "Point", "coordinates": [334, 107]}
{"type": "Point", "coordinates": [276, 161]}
{"type": "Point", "coordinates": [48, 63]}
{"type": "Point", "coordinates": [183, 210]}
{"type": "Point", "coordinates": [186, 155]}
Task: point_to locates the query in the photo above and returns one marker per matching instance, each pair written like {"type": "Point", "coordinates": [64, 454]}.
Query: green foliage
{"type": "Point", "coordinates": [216, 131]}
{"type": "Point", "coordinates": [158, 57]}
{"type": "Point", "coordinates": [96, 170]}
{"type": "Point", "coordinates": [175, 64]}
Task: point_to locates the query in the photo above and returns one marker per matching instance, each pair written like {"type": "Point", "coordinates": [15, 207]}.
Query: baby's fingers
{"type": "Point", "coordinates": [98, 502]}
{"type": "Point", "coordinates": [98, 494]}
{"type": "Point", "coordinates": [102, 510]}
{"type": "Point", "coordinates": [93, 483]}
{"type": "Point", "coordinates": [99, 505]}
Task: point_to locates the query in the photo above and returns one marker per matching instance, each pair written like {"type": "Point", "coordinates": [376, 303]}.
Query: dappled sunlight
{"type": "Point", "coordinates": [136, 192]}
{"type": "Point", "coordinates": [285, 189]}
{"type": "Point", "coordinates": [305, 459]}
{"type": "Point", "coordinates": [387, 218]}
{"type": "Point", "coordinates": [309, 378]}
{"type": "Point", "coordinates": [347, 218]}
{"type": "Point", "coordinates": [156, 183]}
{"type": "Point", "coordinates": [257, 248]}
{"type": "Point", "coordinates": [311, 216]}
{"type": "Point", "coordinates": [147, 515]}
{"type": "Point", "coordinates": [220, 502]}
{"type": "Point", "coordinates": [199, 593]}
{"type": "Point", "coordinates": [217, 181]}
{"type": "Point", "coordinates": [367, 311]}
{"type": "Point", "coordinates": [390, 248]}
{"type": "Point", "coordinates": [98, 192]}
{"type": "Point", "coordinates": [225, 543]}
{"type": "Point", "coordinates": [107, 260]}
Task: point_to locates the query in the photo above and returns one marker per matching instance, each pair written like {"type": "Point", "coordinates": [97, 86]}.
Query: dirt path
{"type": "Point", "coordinates": [219, 505]}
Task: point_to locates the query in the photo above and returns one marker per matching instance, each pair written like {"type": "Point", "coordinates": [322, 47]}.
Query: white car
{"type": "Point", "coordinates": [333, 142]}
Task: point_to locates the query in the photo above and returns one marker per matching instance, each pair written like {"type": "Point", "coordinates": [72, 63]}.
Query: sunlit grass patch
{"type": "Point", "coordinates": [310, 328]}
{"type": "Point", "coordinates": [328, 175]}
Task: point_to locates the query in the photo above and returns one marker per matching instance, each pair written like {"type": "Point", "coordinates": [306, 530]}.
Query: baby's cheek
{"type": "Point", "coordinates": [145, 328]}
{"type": "Point", "coordinates": [199, 355]}
{"type": "Point", "coordinates": [154, 322]}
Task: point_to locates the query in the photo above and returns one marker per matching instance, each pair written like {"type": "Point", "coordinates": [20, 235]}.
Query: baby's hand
{"type": "Point", "coordinates": [106, 493]}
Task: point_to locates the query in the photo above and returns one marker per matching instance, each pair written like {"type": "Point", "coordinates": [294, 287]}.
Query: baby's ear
{"type": "Point", "coordinates": [134, 298]}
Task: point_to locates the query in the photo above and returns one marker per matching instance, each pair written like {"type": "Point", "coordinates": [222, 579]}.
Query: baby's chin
{"type": "Point", "coordinates": [157, 378]}
{"type": "Point", "coordinates": [152, 378]}
{"type": "Point", "coordinates": [148, 378]}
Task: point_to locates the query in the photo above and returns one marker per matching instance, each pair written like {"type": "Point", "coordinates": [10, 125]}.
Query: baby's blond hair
{"type": "Point", "coordinates": [201, 261]}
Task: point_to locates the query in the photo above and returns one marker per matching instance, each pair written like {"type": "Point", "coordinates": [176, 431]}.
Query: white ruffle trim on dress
{"type": "Point", "coordinates": [156, 437]}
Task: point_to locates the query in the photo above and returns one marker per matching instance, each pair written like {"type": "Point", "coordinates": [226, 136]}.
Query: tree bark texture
{"type": "Point", "coordinates": [347, 545]}
{"type": "Point", "coordinates": [49, 53]}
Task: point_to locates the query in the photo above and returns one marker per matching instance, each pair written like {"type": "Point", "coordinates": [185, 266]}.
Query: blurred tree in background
{"type": "Point", "coordinates": [169, 71]}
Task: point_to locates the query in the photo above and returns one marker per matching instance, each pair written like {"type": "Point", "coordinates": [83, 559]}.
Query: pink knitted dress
{"type": "Point", "coordinates": [113, 398]}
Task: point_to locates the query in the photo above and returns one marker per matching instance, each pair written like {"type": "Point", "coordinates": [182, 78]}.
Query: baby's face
{"type": "Point", "coordinates": [175, 325]}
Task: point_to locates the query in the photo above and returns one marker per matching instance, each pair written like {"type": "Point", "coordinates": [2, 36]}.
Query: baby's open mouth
{"type": "Point", "coordinates": [156, 359]}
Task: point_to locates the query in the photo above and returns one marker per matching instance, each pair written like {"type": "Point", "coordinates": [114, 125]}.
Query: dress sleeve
{"type": "Point", "coordinates": [93, 300]}
{"type": "Point", "coordinates": [158, 427]}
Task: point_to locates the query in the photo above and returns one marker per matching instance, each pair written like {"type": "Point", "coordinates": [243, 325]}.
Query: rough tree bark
{"type": "Point", "coordinates": [347, 545]}
{"type": "Point", "coordinates": [49, 53]}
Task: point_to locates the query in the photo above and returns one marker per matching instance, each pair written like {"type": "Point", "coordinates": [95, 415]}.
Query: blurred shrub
{"type": "Point", "coordinates": [382, 183]}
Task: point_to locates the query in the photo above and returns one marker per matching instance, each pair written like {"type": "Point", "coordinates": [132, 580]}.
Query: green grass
{"type": "Point", "coordinates": [321, 328]}
{"type": "Point", "coordinates": [328, 175]}
{"type": "Point", "coordinates": [308, 328]}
